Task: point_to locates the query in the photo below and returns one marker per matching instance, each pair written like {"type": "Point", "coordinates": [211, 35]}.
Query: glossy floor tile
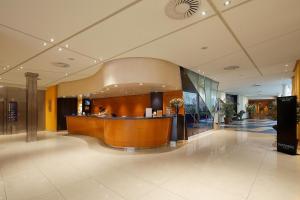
{"type": "Point", "coordinates": [220, 164]}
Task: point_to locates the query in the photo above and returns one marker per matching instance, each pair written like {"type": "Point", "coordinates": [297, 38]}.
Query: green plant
{"type": "Point", "coordinates": [227, 110]}
{"type": "Point", "coordinates": [250, 108]}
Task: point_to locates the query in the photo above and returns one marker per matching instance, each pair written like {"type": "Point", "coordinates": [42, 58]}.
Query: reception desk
{"type": "Point", "coordinates": [123, 132]}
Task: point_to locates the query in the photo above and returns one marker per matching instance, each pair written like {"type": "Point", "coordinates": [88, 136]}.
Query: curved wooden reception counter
{"type": "Point", "coordinates": [123, 131]}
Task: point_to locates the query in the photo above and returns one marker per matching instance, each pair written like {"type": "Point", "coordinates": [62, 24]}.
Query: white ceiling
{"type": "Point", "coordinates": [247, 33]}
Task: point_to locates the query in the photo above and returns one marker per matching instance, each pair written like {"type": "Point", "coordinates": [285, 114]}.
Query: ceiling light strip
{"type": "Point", "coordinates": [74, 35]}
{"type": "Point", "coordinates": [219, 14]}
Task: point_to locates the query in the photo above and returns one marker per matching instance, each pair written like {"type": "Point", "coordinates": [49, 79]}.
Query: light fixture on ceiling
{"type": "Point", "coordinates": [21, 67]}
{"type": "Point", "coordinates": [7, 66]}
{"type": "Point", "coordinates": [51, 40]}
{"type": "Point", "coordinates": [256, 85]}
{"type": "Point", "coordinates": [163, 86]}
{"type": "Point", "coordinates": [59, 49]}
{"type": "Point", "coordinates": [0, 78]}
{"type": "Point", "coordinates": [44, 44]}
{"type": "Point", "coordinates": [60, 64]}
{"type": "Point", "coordinates": [66, 74]}
{"type": "Point", "coordinates": [231, 67]}
{"type": "Point", "coordinates": [95, 61]}
{"type": "Point", "coordinates": [1, 86]}
{"type": "Point", "coordinates": [181, 9]}
{"type": "Point", "coordinates": [203, 13]}
{"type": "Point", "coordinates": [115, 85]}
{"type": "Point", "coordinates": [286, 65]}
{"type": "Point", "coordinates": [4, 68]}
{"type": "Point", "coordinates": [107, 89]}
{"type": "Point", "coordinates": [100, 58]}
{"type": "Point", "coordinates": [102, 91]}
{"type": "Point", "coordinates": [141, 84]}
{"type": "Point", "coordinates": [67, 45]}
{"type": "Point", "coordinates": [226, 3]}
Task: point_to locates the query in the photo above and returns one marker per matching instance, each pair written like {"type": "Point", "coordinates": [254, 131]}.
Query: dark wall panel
{"type": "Point", "coordinates": [65, 107]}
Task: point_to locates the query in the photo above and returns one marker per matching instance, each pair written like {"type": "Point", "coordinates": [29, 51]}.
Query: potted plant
{"type": "Point", "coordinates": [228, 112]}
{"type": "Point", "coordinates": [250, 108]}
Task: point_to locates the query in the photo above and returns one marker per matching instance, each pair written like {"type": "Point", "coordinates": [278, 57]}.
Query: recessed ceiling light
{"type": "Point", "coordinates": [59, 49]}
{"type": "Point", "coordinates": [231, 67]}
{"type": "Point", "coordinates": [67, 46]}
{"type": "Point", "coordinates": [115, 85]}
{"type": "Point", "coordinates": [95, 61]}
{"type": "Point", "coordinates": [141, 84]}
{"type": "Point", "coordinates": [45, 44]}
{"type": "Point", "coordinates": [203, 13]}
{"type": "Point", "coordinates": [102, 91]}
{"type": "Point", "coordinates": [18, 69]}
{"type": "Point", "coordinates": [1, 86]}
{"type": "Point", "coordinates": [4, 68]}
{"type": "Point", "coordinates": [66, 74]}
{"type": "Point", "coordinates": [227, 3]}
{"type": "Point", "coordinates": [7, 66]}
{"type": "Point", "coordinates": [51, 40]}
{"type": "Point", "coordinates": [107, 89]}
{"type": "Point", "coordinates": [163, 86]}
{"type": "Point", "coordinates": [203, 73]}
{"type": "Point", "coordinates": [0, 78]}
{"type": "Point", "coordinates": [100, 58]}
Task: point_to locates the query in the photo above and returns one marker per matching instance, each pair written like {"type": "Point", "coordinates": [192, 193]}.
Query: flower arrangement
{"type": "Point", "coordinates": [176, 102]}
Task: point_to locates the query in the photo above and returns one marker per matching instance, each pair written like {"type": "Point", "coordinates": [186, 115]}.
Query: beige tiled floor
{"type": "Point", "coordinates": [222, 165]}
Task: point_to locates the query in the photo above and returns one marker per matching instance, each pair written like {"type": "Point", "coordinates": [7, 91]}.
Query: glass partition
{"type": "Point", "coordinates": [200, 100]}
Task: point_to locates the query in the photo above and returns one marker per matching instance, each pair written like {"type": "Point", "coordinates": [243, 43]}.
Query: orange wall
{"type": "Point", "coordinates": [125, 105]}
{"type": "Point", "coordinates": [51, 108]}
{"type": "Point", "coordinates": [132, 105]}
{"type": "Point", "coordinates": [296, 88]}
{"type": "Point", "coordinates": [170, 95]}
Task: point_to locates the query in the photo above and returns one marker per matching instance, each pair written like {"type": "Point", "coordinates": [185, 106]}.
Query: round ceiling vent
{"type": "Point", "coordinates": [233, 67]}
{"type": "Point", "coordinates": [61, 64]}
{"type": "Point", "coordinates": [181, 9]}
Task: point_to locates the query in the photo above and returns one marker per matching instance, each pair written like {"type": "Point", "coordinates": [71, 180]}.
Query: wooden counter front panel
{"type": "Point", "coordinates": [137, 133]}
{"type": "Point", "coordinates": [86, 126]}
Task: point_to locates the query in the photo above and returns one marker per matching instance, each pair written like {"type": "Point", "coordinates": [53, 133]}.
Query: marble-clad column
{"type": "Point", "coordinates": [31, 106]}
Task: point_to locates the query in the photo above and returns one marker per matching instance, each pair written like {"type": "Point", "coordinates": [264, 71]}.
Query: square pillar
{"type": "Point", "coordinates": [31, 106]}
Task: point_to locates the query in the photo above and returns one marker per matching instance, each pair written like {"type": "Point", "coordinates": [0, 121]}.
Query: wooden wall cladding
{"type": "Point", "coordinates": [133, 105]}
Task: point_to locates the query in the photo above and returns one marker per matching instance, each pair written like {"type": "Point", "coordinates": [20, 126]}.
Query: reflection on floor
{"type": "Point", "coordinates": [222, 165]}
{"type": "Point", "coordinates": [253, 125]}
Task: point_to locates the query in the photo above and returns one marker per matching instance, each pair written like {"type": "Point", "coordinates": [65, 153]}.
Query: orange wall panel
{"type": "Point", "coordinates": [133, 105]}
{"type": "Point", "coordinates": [51, 108]}
{"type": "Point", "coordinates": [170, 95]}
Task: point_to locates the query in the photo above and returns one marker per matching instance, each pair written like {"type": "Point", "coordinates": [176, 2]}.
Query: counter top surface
{"type": "Point", "coordinates": [118, 118]}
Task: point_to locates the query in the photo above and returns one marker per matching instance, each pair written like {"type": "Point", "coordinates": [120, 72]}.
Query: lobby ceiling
{"type": "Point", "coordinates": [262, 37]}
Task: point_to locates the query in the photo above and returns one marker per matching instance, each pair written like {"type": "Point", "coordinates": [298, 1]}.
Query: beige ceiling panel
{"type": "Point", "coordinates": [259, 20]}
{"type": "Point", "coordinates": [56, 19]}
{"type": "Point", "coordinates": [138, 25]}
{"type": "Point", "coordinates": [223, 5]}
{"type": "Point", "coordinates": [16, 47]}
{"type": "Point", "coordinates": [281, 50]}
{"type": "Point", "coordinates": [185, 47]}
{"type": "Point", "coordinates": [216, 67]}
{"type": "Point", "coordinates": [49, 60]}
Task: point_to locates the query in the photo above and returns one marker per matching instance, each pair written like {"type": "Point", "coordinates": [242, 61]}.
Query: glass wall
{"type": "Point", "coordinates": [200, 100]}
